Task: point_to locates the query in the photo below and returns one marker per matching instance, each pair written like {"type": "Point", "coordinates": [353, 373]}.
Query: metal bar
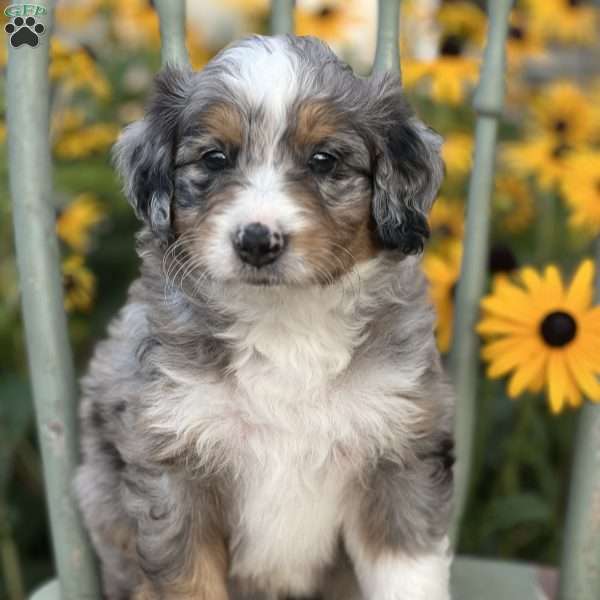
{"type": "Point", "coordinates": [282, 17]}
{"type": "Point", "coordinates": [464, 358]}
{"type": "Point", "coordinates": [387, 52]}
{"type": "Point", "coordinates": [579, 573]}
{"type": "Point", "coordinates": [38, 259]}
{"type": "Point", "coordinates": [172, 32]}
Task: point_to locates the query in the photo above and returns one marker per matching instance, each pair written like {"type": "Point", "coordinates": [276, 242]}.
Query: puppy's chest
{"type": "Point", "coordinates": [287, 520]}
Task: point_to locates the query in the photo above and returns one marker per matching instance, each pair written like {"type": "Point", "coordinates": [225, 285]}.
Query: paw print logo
{"type": "Point", "coordinates": [24, 31]}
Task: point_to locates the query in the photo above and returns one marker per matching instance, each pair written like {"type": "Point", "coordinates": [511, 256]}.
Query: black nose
{"type": "Point", "coordinates": [257, 245]}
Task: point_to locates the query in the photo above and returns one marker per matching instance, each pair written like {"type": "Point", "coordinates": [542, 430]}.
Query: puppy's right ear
{"type": "Point", "coordinates": [144, 152]}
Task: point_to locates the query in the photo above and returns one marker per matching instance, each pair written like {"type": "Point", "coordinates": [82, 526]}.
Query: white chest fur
{"type": "Point", "coordinates": [289, 520]}
{"type": "Point", "coordinates": [292, 424]}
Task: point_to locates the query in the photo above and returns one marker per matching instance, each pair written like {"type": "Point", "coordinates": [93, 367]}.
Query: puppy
{"type": "Point", "coordinates": [269, 418]}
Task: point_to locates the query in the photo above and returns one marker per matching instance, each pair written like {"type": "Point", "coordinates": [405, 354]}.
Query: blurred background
{"type": "Point", "coordinates": [546, 215]}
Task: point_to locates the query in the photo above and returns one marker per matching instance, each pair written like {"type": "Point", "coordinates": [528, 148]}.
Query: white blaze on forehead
{"type": "Point", "coordinates": [264, 200]}
{"type": "Point", "coordinates": [267, 69]}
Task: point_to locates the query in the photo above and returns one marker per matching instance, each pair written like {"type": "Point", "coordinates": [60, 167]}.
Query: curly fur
{"type": "Point", "coordinates": [285, 431]}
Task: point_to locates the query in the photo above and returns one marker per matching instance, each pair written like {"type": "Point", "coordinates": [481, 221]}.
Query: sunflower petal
{"type": "Point", "coordinates": [525, 376]}
{"type": "Point", "coordinates": [498, 348]}
{"type": "Point", "coordinates": [557, 381]}
{"type": "Point", "coordinates": [591, 320]}
{"type": "Point", "coordinates": [583, 375]}
{"type": "Point", "coordinates": [579, 296]}
{"type": "Point", "coordinates": [531, 278]}
{"type": "Point", "coordinates": [518, 312]}
{"type": "Point", "coordinates": [587, 348]}
{"type": "Point", "coordinates": [495, 326]}
{"type": "Point", "coordinates": [573, 393]}
{"type": "Point", "coordinates": [505, 355]}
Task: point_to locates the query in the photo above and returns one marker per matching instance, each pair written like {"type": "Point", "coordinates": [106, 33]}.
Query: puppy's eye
{"type": "Point", "coordinates": [215, 160]}
{"type": "Point", "coordinates": [322, 163]}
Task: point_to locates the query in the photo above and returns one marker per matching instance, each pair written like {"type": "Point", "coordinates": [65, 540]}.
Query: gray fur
{"type": "Point", "coordinates": [150, 483]}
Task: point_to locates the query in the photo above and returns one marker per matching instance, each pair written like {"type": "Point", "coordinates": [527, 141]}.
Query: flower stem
{"type": "Point", "coordinates": [546, 227]}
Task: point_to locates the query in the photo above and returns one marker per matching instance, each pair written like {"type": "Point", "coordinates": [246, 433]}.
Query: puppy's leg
{"type": "Point", "coordinates": [203, 578]}
{"type": "Point", "coordinates": [394, 575]}
{"type": "Point", "coordinates": [112, 532]}
{"type": "Point", "coordinates": [180, 540]}
{"type": "Point", "coordinates": [396, 526]}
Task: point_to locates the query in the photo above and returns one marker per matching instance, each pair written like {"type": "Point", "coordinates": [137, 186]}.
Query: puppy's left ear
{"type": "Point", "coordinates": [408, 175]}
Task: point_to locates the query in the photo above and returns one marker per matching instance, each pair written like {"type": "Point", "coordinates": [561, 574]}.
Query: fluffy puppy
{"type": "Point", "coordinates": [269, 417]}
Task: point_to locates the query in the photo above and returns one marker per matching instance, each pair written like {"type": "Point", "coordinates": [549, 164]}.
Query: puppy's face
{"type": "Point", "coordinates": [267, 200]}
{"type": "Point", "coordinates": [276, 165]}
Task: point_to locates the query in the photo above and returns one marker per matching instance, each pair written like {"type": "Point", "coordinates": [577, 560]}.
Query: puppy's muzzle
{"type": "Point", "coordinates": [257, 245]}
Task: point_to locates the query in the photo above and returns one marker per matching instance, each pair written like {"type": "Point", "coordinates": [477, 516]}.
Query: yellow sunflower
{"type": "Point", "coordinates": [523, 40]}
{"type": "Point", "coordinates": [65, 120]}
{"type": "Point", "coordinates": [443, 271]}
{"type": "Point", "coordinates": [562, 111]}
{"type": "Point", "coordinates": [513, 203]}
{"type": "Point", "coordinates": [135, 23]}
{"type": "Point", "coordinates": [79, 284]}
{"type": "Point", "coordinates": [541, 156]}
{"type": "Point", "coordinates": [76, 70]}
{"type": "Point", "coordinates": [457, 153]}
{"type": "Point", "coordinates": [450, 76]}
{"type": "Point", "coordinates": [329, 20]}
{"type": "Point", "coordinates": [74, 224]}
{"type": "Point", "coordinates": [544, 335]}
{"type": "Point", "coordinates": [463, 19]}
{"type": "Point", "coordinates": [581, 188]}
{"type": "Point", "coordinates": [566, 21]}
{"type": "Point", "coordinates": [446, 220]}
{"type": "Point", "coordinates": [86, 141]}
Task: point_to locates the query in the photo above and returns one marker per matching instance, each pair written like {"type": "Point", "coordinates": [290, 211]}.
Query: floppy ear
{"type": "Point", "coordinates": [144, 152]}
{"type": "Point", "coordinates": [408, 174]}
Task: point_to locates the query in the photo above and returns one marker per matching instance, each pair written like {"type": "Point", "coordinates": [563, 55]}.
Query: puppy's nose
{"type": "Point", "coordinates": [257, 245]}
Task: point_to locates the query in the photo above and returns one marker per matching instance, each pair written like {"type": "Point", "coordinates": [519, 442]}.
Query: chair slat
{"type": "Point", "coordinates": [387, 52]}
{"type": "Point", "coordinates": [580, 571]}
{"type": "Point", "coordinates": [464, 358]}
{"type": "Point", "coordinates": [484, 579]}
{"type": "Point", "coordinates": [38, 260]}
{"type": "Point", "coordinates": [172, 32]}
{"type": "Point", "coordinates": [282, 17]}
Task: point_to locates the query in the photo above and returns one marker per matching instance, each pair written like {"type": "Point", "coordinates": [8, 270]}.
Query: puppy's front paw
{"type": "Point", "coordinates": [403, 577]}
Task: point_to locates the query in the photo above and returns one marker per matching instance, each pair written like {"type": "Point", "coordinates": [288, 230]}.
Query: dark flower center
{"type": "Point", "coordinates": [69, 283]}
{"type": "Point", "coordinates": [561, 126]}
{"type": "Point", "coordinates": [516, 32]}
{"type": "Point", "coordinates": [452, 45]}
{"type": "Point", "coordinates": [502, 259]}
{"type": "Point", "coordinates": [575, 3]}
{"type": "Point", "coordinates": [558, 329]}
{"type": "Point", "coordinates": [325, 12]}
